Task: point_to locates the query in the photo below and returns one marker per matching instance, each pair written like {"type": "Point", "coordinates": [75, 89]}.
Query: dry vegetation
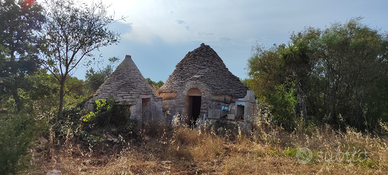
{"type": "Point", "coordinates": [162, 150]}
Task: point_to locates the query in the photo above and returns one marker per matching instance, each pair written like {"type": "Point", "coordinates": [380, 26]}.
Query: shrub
{"type": "Point", "coordinates": [108, 117]}
{"type": "Point", "coordinates": [108, 112]}
{"type": "Point", "coordinates": [283, 104]}
{"type": "Point", "coordinates": [16, 135]}
{"type": "Point", "coordinates": [101, 107]}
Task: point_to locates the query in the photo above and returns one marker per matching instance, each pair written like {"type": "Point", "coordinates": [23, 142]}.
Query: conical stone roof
{"type": "Point", "coordinates": [204, 64]}
{"type": "Point", "coordinates": [125, 84]}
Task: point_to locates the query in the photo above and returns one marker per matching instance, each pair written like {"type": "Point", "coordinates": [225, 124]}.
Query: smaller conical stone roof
{"type": "Point", "coordinates": [125, 84]}
{"type": "Point", "coordinates": [205, 65]}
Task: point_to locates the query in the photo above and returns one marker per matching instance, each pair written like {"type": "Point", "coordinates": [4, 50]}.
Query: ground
{"type": "Point", "coordinates": [268, 150]}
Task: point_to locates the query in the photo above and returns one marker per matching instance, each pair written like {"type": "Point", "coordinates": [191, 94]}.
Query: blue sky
{"type": "Point", "coordinates": [158, 34]}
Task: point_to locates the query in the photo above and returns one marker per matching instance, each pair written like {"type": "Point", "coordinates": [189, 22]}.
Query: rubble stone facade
{"type": "Point", "coordinates": [127, 86]}
{"type": "Point", "coordinates": [201, 86]}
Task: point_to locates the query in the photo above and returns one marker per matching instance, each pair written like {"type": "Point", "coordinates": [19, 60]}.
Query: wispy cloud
{"type": "Point", "coordinates": [181, 22]}
{"type": "Point", "coordinates": [205, 34]}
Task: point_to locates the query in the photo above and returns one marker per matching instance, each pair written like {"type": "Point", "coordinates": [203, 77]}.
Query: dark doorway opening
{"type": "Point", "coordinates": [240, 112]}
{"type": "Point", "coordinates": [194, 109]}
{"type": "Point", "coordinates": [146, 110]}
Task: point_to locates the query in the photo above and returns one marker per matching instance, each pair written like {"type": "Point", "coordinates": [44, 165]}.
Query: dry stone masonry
{"type": "Point", "coordinates": [200, 88]}
{"type": "Point", "coordinates": [127, 86]}
{"type": "Point", "coordinates": [204, 64]}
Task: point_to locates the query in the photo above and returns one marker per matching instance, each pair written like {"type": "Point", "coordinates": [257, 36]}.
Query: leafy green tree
{"type": "Point", "coordinates": [71, 34]}
{"type": "Point", "coordinates": [153, 84]}
{"type": "Point", "coordinates": [159, 83]}
{"type": "Point", "coordinates": [20, 23]}
{"type": "Point", "coordinates": [43, 94]}
{"type": "Point", "coordinates": [351, 66]}
{"type": "Point", "coordinates": [246, 82]}
{"type": "Point", "coordinates": [42, 98]}
{"type": "Point", "coordinates": [298, 65]}
{"type": "Point", "coordinates": [273, 84]}
{"type": "Point", "coordinates": [75, 91]}
{"type": "Point", "coordinates": [94, 79]}
{"type": "Point", "coordinates": [266, 69]}
{"type": "Point", "coordinates": [338, 75]}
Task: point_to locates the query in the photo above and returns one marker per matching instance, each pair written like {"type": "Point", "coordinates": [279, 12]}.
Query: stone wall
{"type": "Point", "coordinates": [178, 105]}
{"type": "Point", "coordinates": [127, 86]}
{"type": "Point", "coordinates": [201, 73]}
{"type": "Point", "coordinates": [204, 70]}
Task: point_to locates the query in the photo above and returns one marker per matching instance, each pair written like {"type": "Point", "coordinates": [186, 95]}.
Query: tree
{"type": "Point", "coordinates": [94, 79]}
{"type": "Point", "coordinates": [340, 74]}
{"type": "Point", "coordinates": [266, 69]}
{"type": "Point", "coordinates": [153, 84]}
{"type": "Point", "coordinates": [298, 65]}
{"type": "Point", "coordinates": [20, 24]}
{"type": "Point", "coordinates": [71, 34]}
{"type": "Point", "coordinates": [351, 68]}
{"type": "Point", "coordinates": [273, 84]}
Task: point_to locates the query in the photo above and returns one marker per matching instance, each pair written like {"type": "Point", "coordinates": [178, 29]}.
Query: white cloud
{"type": "Point", "coordinates": [183, 21]}
{"type": "Point", "coordinates": [155, 19]}
{"type": "Point", "coordinates": [231, 27]}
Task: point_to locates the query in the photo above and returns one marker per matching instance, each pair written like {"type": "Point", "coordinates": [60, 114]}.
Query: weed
{"type": "Point", "coordinates": [269, 149]}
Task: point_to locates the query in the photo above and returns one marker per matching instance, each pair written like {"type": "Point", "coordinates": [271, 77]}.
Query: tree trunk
{"type": "Point", "coordinates": [61, 95]}
{"type": "Point", "coordinates": [16, 97]}
{"type": "Point", "coordinates": [302, 109]}
{"type": "Point", "coordinates": [14, 85]}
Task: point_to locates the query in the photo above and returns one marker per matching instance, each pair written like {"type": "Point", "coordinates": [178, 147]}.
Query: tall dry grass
{"type": "Point", "coordinates": [267, 150]}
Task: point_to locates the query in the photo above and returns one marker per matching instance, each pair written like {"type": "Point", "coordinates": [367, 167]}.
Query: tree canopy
{"type": "Point", "coordinates": [71, 34]}
{"type": "Point", "coordinates": [20, 25]}
{"type": "Point", "coordinates": [95, 78]}
{"type": "Point", "coordinates": [338, 75]}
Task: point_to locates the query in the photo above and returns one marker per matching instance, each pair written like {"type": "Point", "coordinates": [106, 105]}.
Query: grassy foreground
{"type": "Point", "coordinates": [268, 150]}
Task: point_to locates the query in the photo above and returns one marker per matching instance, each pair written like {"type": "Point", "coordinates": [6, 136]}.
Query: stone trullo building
{"type": "Point", "coordinates": [127, 86]}
{"type": "Point", "coordinates": [201, 86]}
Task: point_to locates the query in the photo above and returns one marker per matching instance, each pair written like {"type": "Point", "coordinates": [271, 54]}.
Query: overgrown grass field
{"type": "Point", "coordinates": [267, 150]}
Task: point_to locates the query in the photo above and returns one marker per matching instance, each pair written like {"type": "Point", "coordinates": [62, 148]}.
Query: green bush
{"type": "Point", "coordinates": [108, 117]}
{"type": "Point", "coordinates": [70, 119]}
{"type": "Point", "coordinates": [16, 135]}
{"type": "Point", "coordinates": [283, 104]}
{"type": "Point", "coordinates": [108, 112]}
{"type": "Point", "coordinates": [101, 107]}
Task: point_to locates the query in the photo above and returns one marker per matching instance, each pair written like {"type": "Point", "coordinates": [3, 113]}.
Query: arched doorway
{"type": "Point", "coordinates": [194, 98]}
